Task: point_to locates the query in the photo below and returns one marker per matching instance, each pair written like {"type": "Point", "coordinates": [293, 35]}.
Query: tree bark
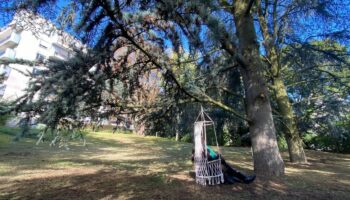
{"type": "Point", "coordinates": [294, 142]}
{"type": "Point", "coordinates": [267, 159]}
{"type": "Point", "coordinates": [139, 127]}
{"type": "Point", "coordinates": [289, 128]}
{"type": "Point", "coordinates": [177, 127]}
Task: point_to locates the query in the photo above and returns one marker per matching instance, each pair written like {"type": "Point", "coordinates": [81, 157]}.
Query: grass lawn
{"type": "Point", "coordinates": [126, 166]}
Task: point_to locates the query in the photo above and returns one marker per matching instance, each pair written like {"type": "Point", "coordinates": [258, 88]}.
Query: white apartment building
{"type": "Point", "coordinates": [29, 37]}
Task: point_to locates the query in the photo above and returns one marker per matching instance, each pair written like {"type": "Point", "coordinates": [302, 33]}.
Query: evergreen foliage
{"type": "Point", "coordinates": [157, 61]}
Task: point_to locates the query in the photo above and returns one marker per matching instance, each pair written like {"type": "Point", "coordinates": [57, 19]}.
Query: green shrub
{"type": "Point", "coordinates": [236, 140]}
{"type": "Point", "coordinates": [41, 127]}
{"type": "Point", "coordinates": [346, 144]}
{"type": "Point", "coordinates": [327, 142]}
{"type": "Point", "coordinates": [308, 139]}
{"type": "Point", "coordinates": [282, 143]}
{"type": "Point", "coordinates": [186, 138]}
{"type": "Point", "coordinates": [9, 131]}
{"type": "Point", "coordinates": [4, 118]}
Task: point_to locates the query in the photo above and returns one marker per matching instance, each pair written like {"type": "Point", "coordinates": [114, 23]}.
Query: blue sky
{"type": "Point", "coordinates": [307, 25]}
{"type": "Point", "coordinates": [6, 18]}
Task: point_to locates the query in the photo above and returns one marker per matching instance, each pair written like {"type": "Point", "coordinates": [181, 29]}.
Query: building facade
{"type": "Point", "coordinates": [29, 37]}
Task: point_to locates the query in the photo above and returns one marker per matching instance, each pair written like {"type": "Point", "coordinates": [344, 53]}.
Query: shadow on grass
{"type": "Point", "coordinates": [119, 166]}
{"type": "Point", "coordinates": [121, 184]}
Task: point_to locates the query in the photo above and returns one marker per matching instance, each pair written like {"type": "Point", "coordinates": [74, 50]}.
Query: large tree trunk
{"type": "Point", "coordinates": [267, 159]}
{"type": "Point", "coordinates": [296, 151]}
{"type": "Point", "coordinates": [289, 128]}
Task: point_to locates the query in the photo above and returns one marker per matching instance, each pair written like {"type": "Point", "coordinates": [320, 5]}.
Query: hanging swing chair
{"type": "Point", "coordinates": [207, 172]}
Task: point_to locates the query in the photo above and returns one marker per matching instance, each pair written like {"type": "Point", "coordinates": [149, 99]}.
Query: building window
{"type": "Point", "coordinates": [40, 57]}
{"type": "Point", "coordinates": [36, 71]}
{"type": "Point", "coordinates": [42, 46]}
{"type": "Point", "coordinates": [5, 71]}
{"type": "Point", "coordinates": [60, 52]}
{"type": "Point", "coordinates": [48, 33]}
{"type": "Point", "coordinates": [2, 90]}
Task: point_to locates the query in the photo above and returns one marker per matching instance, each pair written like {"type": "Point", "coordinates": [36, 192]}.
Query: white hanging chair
{"type": "Point", "coordinates": [207, 172]}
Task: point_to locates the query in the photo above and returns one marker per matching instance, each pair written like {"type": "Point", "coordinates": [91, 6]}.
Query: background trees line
{"type": "Point", "coordinates": [251, 63]}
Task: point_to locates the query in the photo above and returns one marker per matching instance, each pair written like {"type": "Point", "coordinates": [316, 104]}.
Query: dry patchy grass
{"type": "Point", "coordinates": [125, 166]}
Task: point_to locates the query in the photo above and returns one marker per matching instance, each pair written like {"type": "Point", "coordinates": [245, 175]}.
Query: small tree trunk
{"type": "Point", "coordinates": [177, 126]}
{"type": "Point", "coordinates": [267, 159]}
{"type": "Point", "coordinates": [177, 136]}
{"type": "Point", "coordinates": [139, 127]}
{"type": "Point", "coordinates": [220, 131]}
{"type": "Point", "coordinates": [295, 145]}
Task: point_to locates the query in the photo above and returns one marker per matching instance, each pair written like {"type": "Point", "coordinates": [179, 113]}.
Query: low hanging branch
{"type": "Point", "coordinates": [251, 2]}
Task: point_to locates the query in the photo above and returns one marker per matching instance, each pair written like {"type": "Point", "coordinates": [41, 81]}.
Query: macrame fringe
{"type": "Point", "coordinates": [208, 172]}
{"type": "Point", "coordinates": [210, 180]}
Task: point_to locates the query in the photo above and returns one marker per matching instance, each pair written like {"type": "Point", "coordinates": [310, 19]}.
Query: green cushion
{"type": "Point", "coordinates": [211, 152]}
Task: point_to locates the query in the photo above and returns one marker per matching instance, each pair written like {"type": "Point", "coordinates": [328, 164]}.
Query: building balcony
{"type": "Point", "coordinates": [9, 40]}
{"type": "Point", "coordinates": [7, 54]}
{"type": "Point", "coordinates": [4, 32]}
{"type": "Point", "coordinates": [59, 52]}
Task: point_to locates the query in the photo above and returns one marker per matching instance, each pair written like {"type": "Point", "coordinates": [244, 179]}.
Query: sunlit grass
{"type": "Point", "coordinates": [128, 166]}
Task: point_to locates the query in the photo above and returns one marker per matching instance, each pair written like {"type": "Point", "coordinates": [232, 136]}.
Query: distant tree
{"type": "Point", "coordinates": [320, 90]}
{"type": "Point", "coordinates": [280, 24]}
